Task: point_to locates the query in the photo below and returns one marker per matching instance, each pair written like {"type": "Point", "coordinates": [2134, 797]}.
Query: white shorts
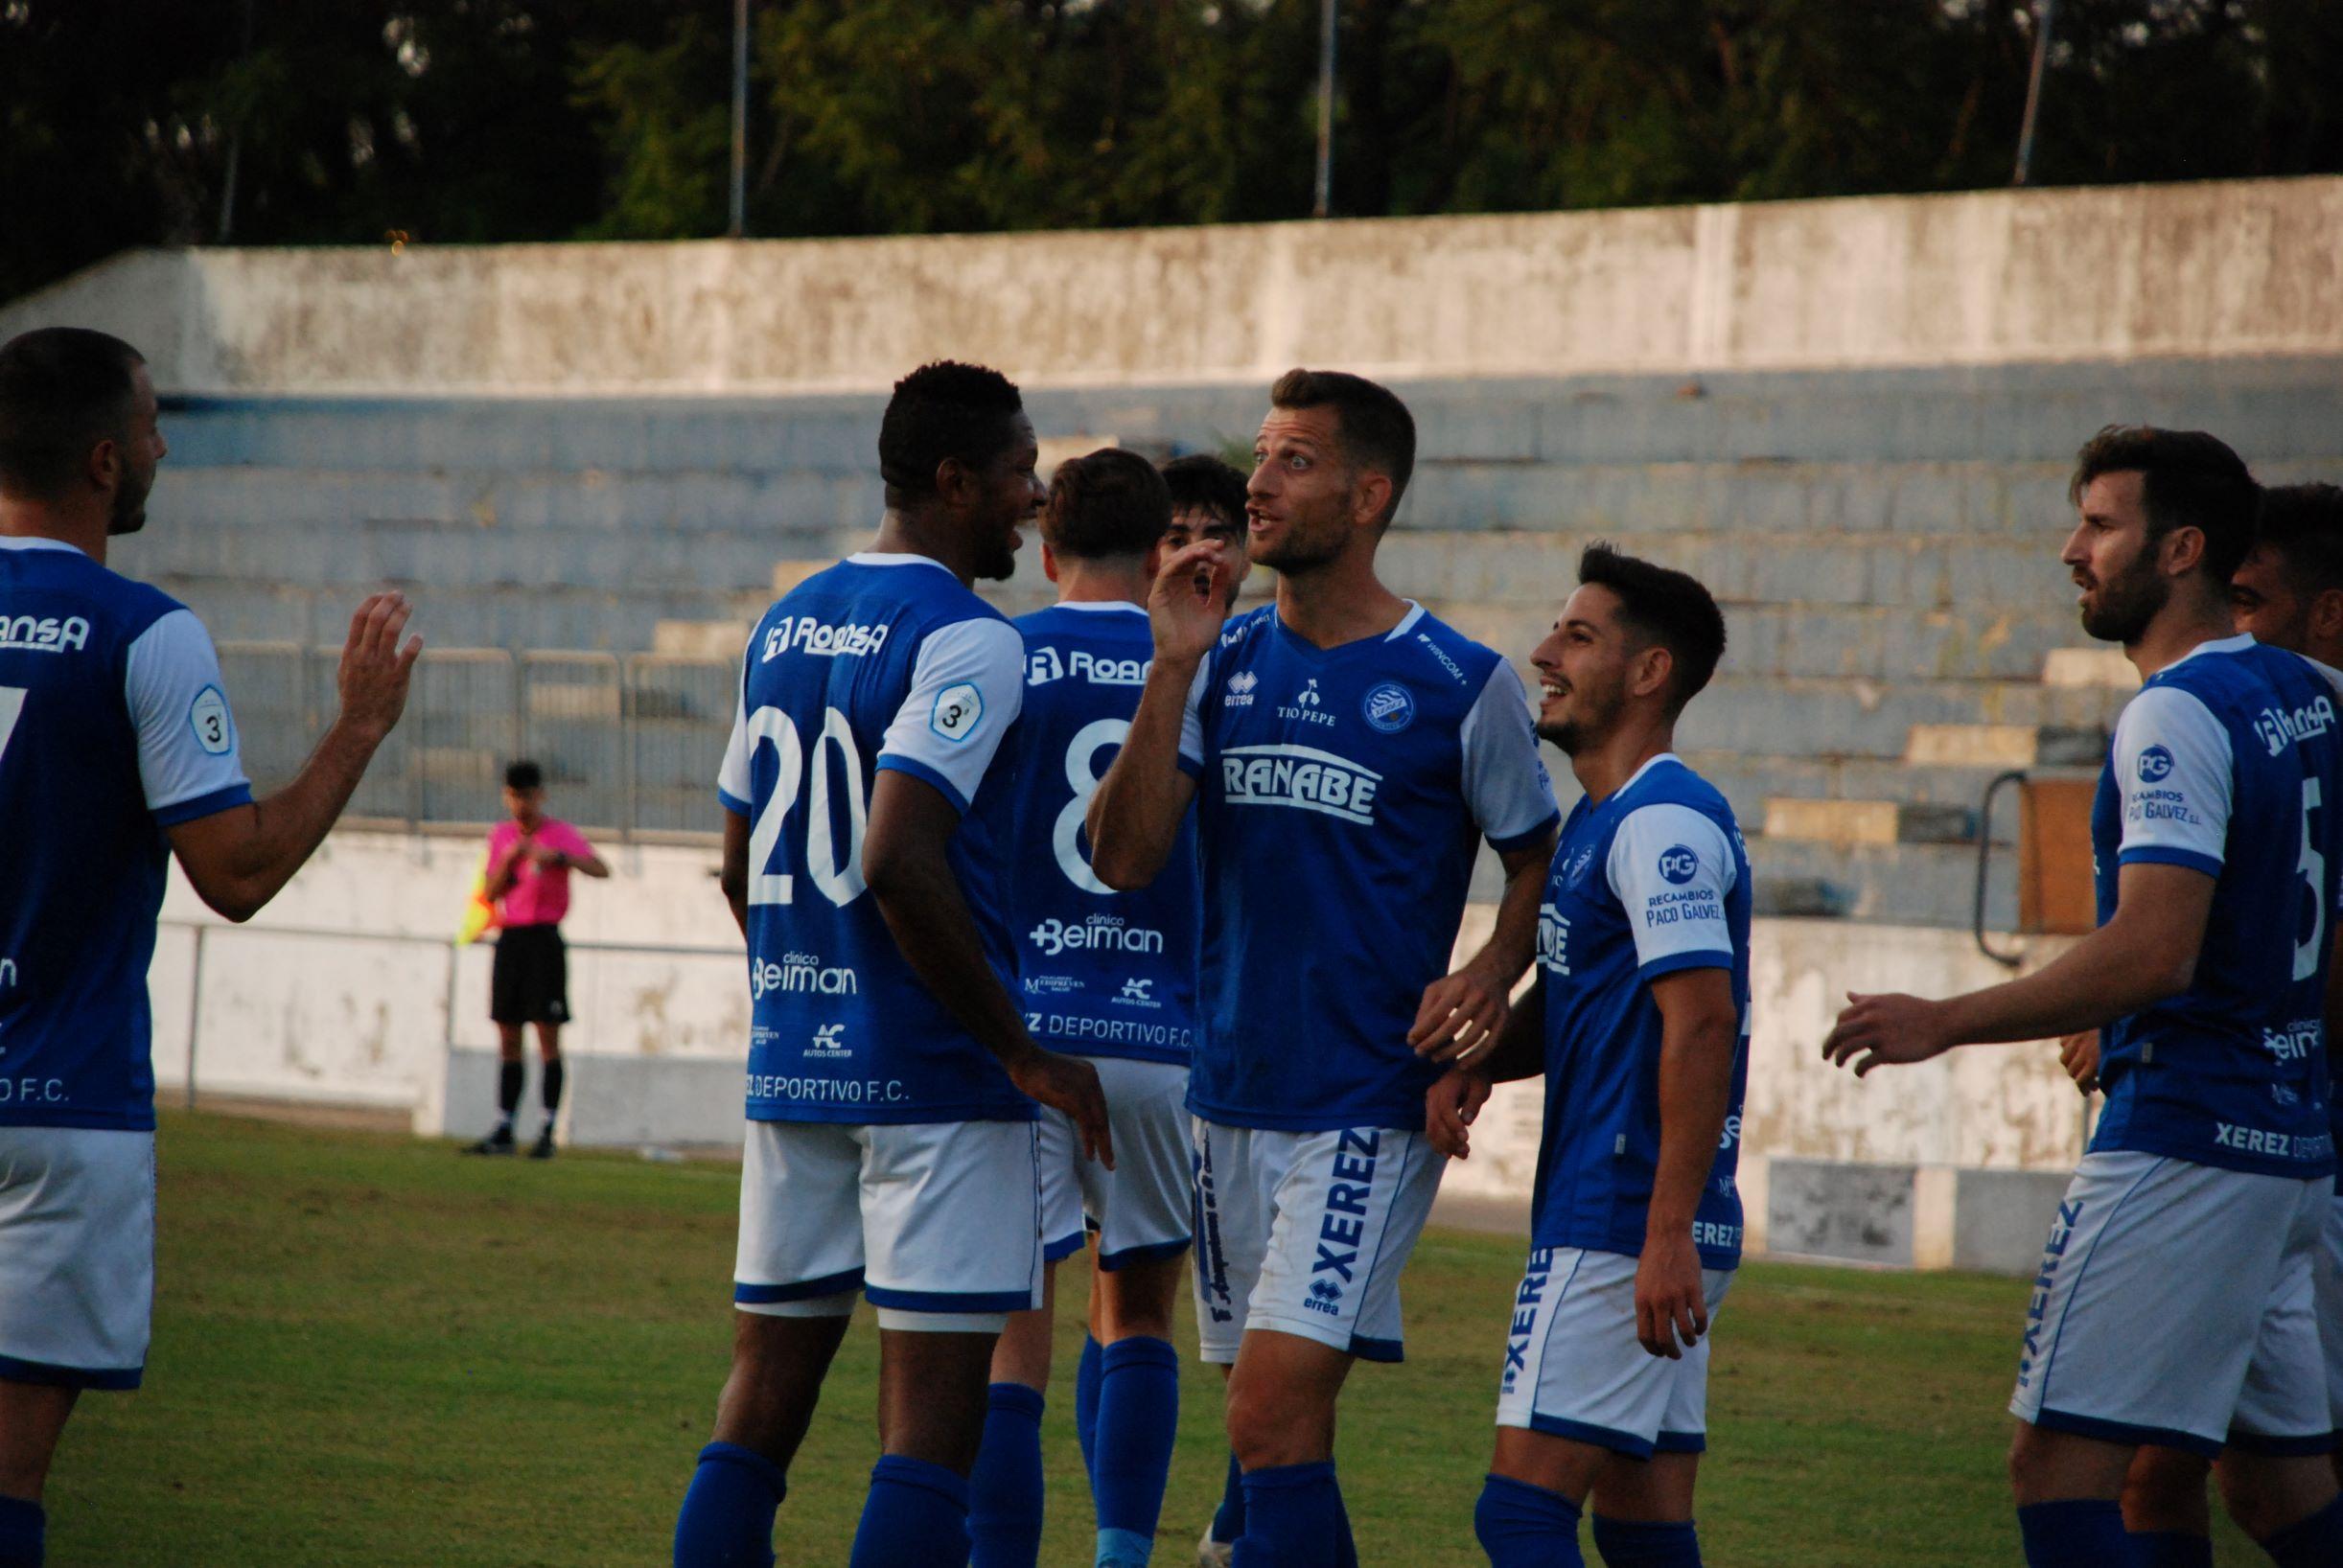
{"type": "Point", "coordinates": [2173, 1306]}
{"type": "Point", "coordinates": [77, 1255]}
{"type": "Point", "coordinates": [938, 1223]}
{"type": "Point", "coordinates": [1306, 1233]}
{"type": "Point", "coordinates": [1575, 1367]}
{"type": "Point", "coordinates": [1144, 1208]}
{"type": "Point", "coordinates": [2328, 1290]}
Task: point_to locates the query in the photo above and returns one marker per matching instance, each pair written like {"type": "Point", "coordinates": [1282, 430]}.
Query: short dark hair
{"type": "Point", "coordinates": [943, 410]}
{"type": "Point", "coordinates": [1669, 606]}
{"type": "Point", "coordinates": [2187, 479]}
{"type": "Point", "coordinates": [1200, 483]}
{"type": "Point", "coordinates": [1377, 430]}
{"type": "Point", "coordinates": [525, 774]}
{"type": "Point", "coordinates": [62, 390]}
{"type": "Point", "coordinates": [2302, 526]}
{"type": "Point", "coordinates": [1109, 503]}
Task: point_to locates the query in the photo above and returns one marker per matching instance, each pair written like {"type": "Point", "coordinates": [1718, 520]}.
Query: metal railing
{"type": "Point", "coordinates": [630, 742]}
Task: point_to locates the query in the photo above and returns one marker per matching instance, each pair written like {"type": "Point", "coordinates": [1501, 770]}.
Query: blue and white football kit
{"type": "Point", "coordinates": [2174, 1306]}
{"type": "Point", "coordinates": [114, 726]}
{"type": "Point", "coordinates": [887, 1149]}
{"type": "Point", "coordinates": [1649, 882]}
{"type": "Point", "coordinates": [1341, 794]}
{"type": "Point", "coordinates": [1104, 974]}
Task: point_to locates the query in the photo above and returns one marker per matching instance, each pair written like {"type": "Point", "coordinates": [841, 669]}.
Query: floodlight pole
{"type": "Point", "coordinates": [1325, 202]}
{"type": "Point", "coordinates": [740, 119]}
{"type": "Point", "coordinates": [2046, 18]}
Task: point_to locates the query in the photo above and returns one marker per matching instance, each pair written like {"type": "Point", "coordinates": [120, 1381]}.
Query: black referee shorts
{"type": "Point", "coordinates": [530, 983]}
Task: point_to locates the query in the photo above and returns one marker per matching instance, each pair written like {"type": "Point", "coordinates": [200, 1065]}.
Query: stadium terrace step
{"type": "Point", "coordinates": [460, 555]}
{"type": "Point", "coordinates": [1898, 884]}
{"type": "Point", "coordinates": [2001, 747]}
{"type": "Point", "coordinates": [1868, 821]}
{"type": "Point", "coordinates": [456, 615]}
{"type": "Point", "coordinates": [2093, 666]}
{"type": "Point", "coordinates": [1763, 716]}
{"type": "Point", "coordinates": [700, 640]}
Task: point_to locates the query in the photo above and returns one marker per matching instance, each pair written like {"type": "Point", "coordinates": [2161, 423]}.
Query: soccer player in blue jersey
{"type": "Point", "coordinates": [2287, 594]}
{"type": "Point", "coordinates": [1106, 975]}
{"type": "Point", "coordinates": [892, 1082]}
{"type": "Point", "coordinates": [1346, 753]}
{"type": "Point", "coordinates": [1639, 1022]}
{"type": "Point", "coordinates": [118, 749]}
{"type": "Point", "coordinates": [2174, 1306]}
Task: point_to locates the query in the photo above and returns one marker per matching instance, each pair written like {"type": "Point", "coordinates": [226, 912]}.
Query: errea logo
{"type": "Point", "coordinates": [1239, 690]}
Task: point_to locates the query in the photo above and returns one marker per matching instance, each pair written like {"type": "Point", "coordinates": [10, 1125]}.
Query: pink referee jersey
{"type": "Point", "coordinates": [542, 896]}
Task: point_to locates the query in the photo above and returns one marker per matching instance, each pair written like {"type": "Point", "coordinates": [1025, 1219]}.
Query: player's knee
{"type": "Point", "coordinates": [1269, 1426]}
{"type": "Point", "coordinates": [2164, 1493]}
{"type": "Point", "coordinates": [2266, 1494]}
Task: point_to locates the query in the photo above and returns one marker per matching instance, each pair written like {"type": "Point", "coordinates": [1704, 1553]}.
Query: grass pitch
{"type": "Point", "coordinates": [369, 1352]}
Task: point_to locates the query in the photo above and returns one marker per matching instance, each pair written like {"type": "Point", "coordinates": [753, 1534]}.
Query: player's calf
{"type": "Point", "coordinates": [2287, 1502]}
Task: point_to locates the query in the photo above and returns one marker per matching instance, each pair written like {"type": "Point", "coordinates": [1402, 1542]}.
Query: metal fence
{"type": "Point", "coordinates": [630, 742]}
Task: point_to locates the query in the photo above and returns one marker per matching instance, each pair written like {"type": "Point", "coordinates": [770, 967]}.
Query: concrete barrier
{"type": "Point", "coordinates": [2241, 268]}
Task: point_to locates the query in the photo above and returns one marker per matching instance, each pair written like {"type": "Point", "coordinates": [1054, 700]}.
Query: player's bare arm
{"type": "Point", "coordinates": [911, 824]}
{"type": "Point", "coordinates": [1462, 1013]}
{"type": "Point", "coordinates": [1455, 1098]}
{"type": "Point", "coordinates": [732, 875]}
{"type": "Point", "coordinates": [239, 859]}
{"type": "Point", "coordinates": [2145, 953]}
{"type": "Point", "coordinates": [1134, 817]}
{"type": "Point", "coordinates": [1699, 1028]}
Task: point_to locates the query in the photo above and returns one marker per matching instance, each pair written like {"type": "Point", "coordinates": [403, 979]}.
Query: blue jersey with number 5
{"type": "Point", "coordinates": [2228, 763]}
{"type": "Point", "coordinates": [883, 662]}
{"type": "Point", "coordinates": [1099, 973]}
{"type": "Point", "coordinates": [113, 726]}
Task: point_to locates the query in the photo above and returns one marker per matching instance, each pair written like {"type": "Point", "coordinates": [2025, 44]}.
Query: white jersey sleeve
{"type": "Point", "coordinates": [1505, 782]}
{"type": "Point", "coordinates": [732, 783]}
{"type": "Point", "coordinates": [967, 687]}
{"type": "Point", "coordinates": [1192, 719]}
{"type": "Point", "coordinates": [2173, 764]}
{"type": "Point", "coordinates": [1670, 868]}
{"type": "Point", "coordinates": [188, 756]}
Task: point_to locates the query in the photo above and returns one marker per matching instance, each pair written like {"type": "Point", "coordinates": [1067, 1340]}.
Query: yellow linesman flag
{"type": "Point", "coordinates": [480, 910]}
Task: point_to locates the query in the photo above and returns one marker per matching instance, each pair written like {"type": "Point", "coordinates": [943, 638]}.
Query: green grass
{"type": "Point", "coordinates": [369, 1352]}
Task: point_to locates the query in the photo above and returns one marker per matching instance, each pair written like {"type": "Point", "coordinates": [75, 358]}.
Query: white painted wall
{"type": "Point", "coordinates": [365, 1016]}
{"type": "Point", "coordinates": [2233, 268]}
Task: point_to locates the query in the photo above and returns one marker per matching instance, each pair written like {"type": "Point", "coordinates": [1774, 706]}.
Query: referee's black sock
{"type": "Point", "coordinates": [508, 1091]}
{"type": "Point", "coordinates": [554, 1088]}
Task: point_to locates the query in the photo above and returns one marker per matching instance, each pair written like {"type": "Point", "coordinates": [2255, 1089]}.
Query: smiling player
{"type": "Point", "coordinates": [1639, 1022]}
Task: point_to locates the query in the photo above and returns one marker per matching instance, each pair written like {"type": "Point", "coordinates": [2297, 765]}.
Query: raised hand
{"type": "Point", "coordinates": [1889, 1027]}
{"type": "Point", "coordinates": [375, 670]}
{"type": "Point", "coordinates": [1189, 602]}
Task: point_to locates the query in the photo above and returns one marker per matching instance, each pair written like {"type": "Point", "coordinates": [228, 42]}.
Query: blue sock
{"type": "Point", "coordinates": [2170, 1548]}
{"type": "Point", "coordinates": [1521, 1526]}
{"type": "Point", "coordinates": [2316, 1543]}
{"type": "Point", "coordinates": [24, 1530]}
{"type": "Point", "coordinates": [1630, 1544]}
{"type": "Point", "coordinates": [2086, 1532]}
{"type": "Point", "coordinates": [1289, 1517]}
{"type": "Point", "coordinates": [1086, 1404]}
{"type": "Point", "coordinates": [916, 1516]}
{"type": "Point", "coordinates": [1228, 1523]}
{"type": "Point", "coordinates": [1138, 1419]}
{"type": "Point", "coordinates": [727, 1519]}
{"type": "Point", "coordinates": [1005, 1487]}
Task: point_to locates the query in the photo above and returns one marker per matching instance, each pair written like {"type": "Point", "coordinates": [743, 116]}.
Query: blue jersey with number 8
{"type": "Point", "coordinates": [1099, 973]}
{"type": "Point", "coordinates": [2229, 763]}
{"type": "Point", "coordinates": [881, 662]}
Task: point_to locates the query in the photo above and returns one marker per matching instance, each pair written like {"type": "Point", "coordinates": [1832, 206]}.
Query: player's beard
{"type": "Point", "coordinates": [2127, 601]}
{"type": "Point", "coordinates": [1589, 719]}
{"type": "Point", "coordinates": [1305, 545]}
{"type": "Point", "coordinates": [129, 513]}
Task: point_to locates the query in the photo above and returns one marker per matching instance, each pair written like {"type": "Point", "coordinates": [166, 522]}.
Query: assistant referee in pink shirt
{"type": "Point", "coordinates": [529, 861]}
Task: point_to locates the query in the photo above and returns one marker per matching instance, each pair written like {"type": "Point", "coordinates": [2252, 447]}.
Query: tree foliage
{"type": "Point", "coordinates": [173, 121]}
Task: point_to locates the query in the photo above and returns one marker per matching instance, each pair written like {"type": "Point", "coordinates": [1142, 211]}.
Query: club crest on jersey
{"type": "Point", "coordinates": [1390, 708]}
{"type": "Point", "coordinates": [43, 634]}
{"type": "Point", "coordinates": [957, 710]}
{"type": "Point", "coordinates": [1679, 863]}
{"type": "Point", "coordinates": [1239, 691]}
{"type": "Point", "coordinates": [2155, 764]}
